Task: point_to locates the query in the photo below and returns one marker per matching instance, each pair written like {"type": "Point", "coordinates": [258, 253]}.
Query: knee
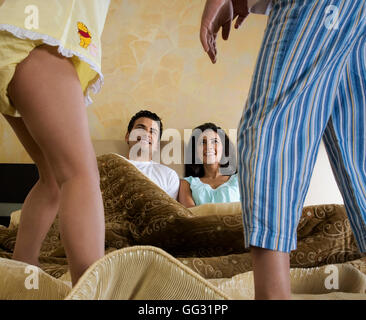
{"type": "Point", "coordinates": [88, 175]}
{"type": "Point", "coordinates": [50, 188]}
{"type": "Point", "coordinates": [47, 181]}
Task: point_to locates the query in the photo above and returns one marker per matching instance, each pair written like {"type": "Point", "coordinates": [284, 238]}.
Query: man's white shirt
{"type": "Point", "coordinates": [165, 177]}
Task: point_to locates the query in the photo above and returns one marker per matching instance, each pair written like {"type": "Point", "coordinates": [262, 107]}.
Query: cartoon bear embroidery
{"type": "Point", "coordinates": [85, 36]}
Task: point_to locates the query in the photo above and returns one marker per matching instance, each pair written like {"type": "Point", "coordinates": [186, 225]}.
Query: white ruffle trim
{"type": "Point", "coordinates": [95, 86]}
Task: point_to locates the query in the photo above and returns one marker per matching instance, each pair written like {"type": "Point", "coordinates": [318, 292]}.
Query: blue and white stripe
{"type": "Point", "coordinates": [309, 82]}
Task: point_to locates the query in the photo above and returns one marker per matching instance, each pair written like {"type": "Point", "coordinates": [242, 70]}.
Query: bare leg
{"type": "Point", "coordinates": [47, 93]}
{"type": "Point", "coordinates": [271, 271]}
{"type": "Point", "coordinates": [41, 204]}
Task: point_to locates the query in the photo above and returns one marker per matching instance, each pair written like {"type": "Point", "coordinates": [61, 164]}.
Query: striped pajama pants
{"type": "Point", "coordinates": [309, 83]}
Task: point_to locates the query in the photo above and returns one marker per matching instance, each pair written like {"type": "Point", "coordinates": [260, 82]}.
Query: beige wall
{"type": "Point", "coordinates": [152, 58]}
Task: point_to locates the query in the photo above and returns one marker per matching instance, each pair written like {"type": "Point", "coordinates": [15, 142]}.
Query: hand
{"type": "Point", "coordinates": [217, 14]}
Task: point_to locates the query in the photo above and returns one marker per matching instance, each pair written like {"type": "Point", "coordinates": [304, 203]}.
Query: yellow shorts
{"type": "Point", "coordinates": [14, 50]}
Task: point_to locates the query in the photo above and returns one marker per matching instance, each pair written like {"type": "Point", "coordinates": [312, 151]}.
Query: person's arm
{"type": "Point", "coordinates": [217, 14]}
{"type": "Point", "coordinates": [185, 194]}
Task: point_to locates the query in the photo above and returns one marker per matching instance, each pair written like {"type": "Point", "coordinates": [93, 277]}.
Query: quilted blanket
{"type": "Point", "coordinates": [204, 244]}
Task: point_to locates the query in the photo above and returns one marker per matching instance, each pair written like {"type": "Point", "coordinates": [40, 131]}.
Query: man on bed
{"type": "Point", "coordinates": [143, 137]}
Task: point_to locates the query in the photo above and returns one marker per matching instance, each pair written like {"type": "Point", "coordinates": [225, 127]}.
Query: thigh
{"type": "Point", "coordinates": [47, 93]}
{"type": "Point", "coordinates": [297, 49]}
{"type": "Point", "coordinates": [32, 148]}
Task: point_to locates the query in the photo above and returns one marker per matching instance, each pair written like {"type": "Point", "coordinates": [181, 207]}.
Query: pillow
{"type": "Point", "coordinates": [51, 243]}
{"type": "Point", "coordinates": [324, 237]}
{"type": "Point", "coordinates": [14, 219]}
{"type": "Point", "coordinates": [138, 212]}
{"type": "Point", "coordinates": [207, 209]}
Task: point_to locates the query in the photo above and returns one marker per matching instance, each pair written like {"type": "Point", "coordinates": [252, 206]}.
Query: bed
{"type": "Point", "coordinates": [158, 249]}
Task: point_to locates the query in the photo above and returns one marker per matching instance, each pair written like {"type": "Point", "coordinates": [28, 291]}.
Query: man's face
{"type": "Point", "coordinates": [144, 137]}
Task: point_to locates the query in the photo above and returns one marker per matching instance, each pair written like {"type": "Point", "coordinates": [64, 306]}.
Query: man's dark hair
{"type": "Point", "coordinates": [145, 114]}
{"type": "Point", "coordinates": [194, 167]}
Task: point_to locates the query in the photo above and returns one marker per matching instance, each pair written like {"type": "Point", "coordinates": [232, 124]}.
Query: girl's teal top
{"type": "Point", "coordinates": [204, 193]}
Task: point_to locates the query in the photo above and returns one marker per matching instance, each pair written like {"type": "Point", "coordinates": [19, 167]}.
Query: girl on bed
{"type": "Point", "coordinates": [50, 57]}
{"type": "Point", "coordinates": [210, 168]}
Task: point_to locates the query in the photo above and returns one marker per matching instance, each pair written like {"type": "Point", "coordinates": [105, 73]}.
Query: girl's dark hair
{"type": "Point", "coordinates": [193, 165]}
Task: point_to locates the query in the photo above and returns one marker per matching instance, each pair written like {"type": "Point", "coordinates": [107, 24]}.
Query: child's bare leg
{"type": "Point", "coordinates": [47, 93]}
{"type": "Point", "coordinates": [271, 270]}
{"type": "Point", "coordinates": [41, 204]}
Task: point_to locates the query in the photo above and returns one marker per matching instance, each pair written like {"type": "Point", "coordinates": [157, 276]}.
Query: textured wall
{"type": "Point", "coordinates": [152, 58]}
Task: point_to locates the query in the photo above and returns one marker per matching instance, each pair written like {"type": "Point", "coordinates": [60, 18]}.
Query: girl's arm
{"type": "Point", "coordinates": [185, 194]}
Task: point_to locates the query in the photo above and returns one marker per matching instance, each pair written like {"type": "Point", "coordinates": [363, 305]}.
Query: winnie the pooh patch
{"type": "Point", "coordinates": [85, 36]}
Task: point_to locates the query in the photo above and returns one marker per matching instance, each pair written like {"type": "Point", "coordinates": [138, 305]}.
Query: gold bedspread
{"type": "Point", "coordinates": [158, 249]}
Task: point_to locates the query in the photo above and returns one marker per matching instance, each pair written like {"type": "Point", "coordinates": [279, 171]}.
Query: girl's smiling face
{"type": "Point", "coordinates": [209, 147]}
